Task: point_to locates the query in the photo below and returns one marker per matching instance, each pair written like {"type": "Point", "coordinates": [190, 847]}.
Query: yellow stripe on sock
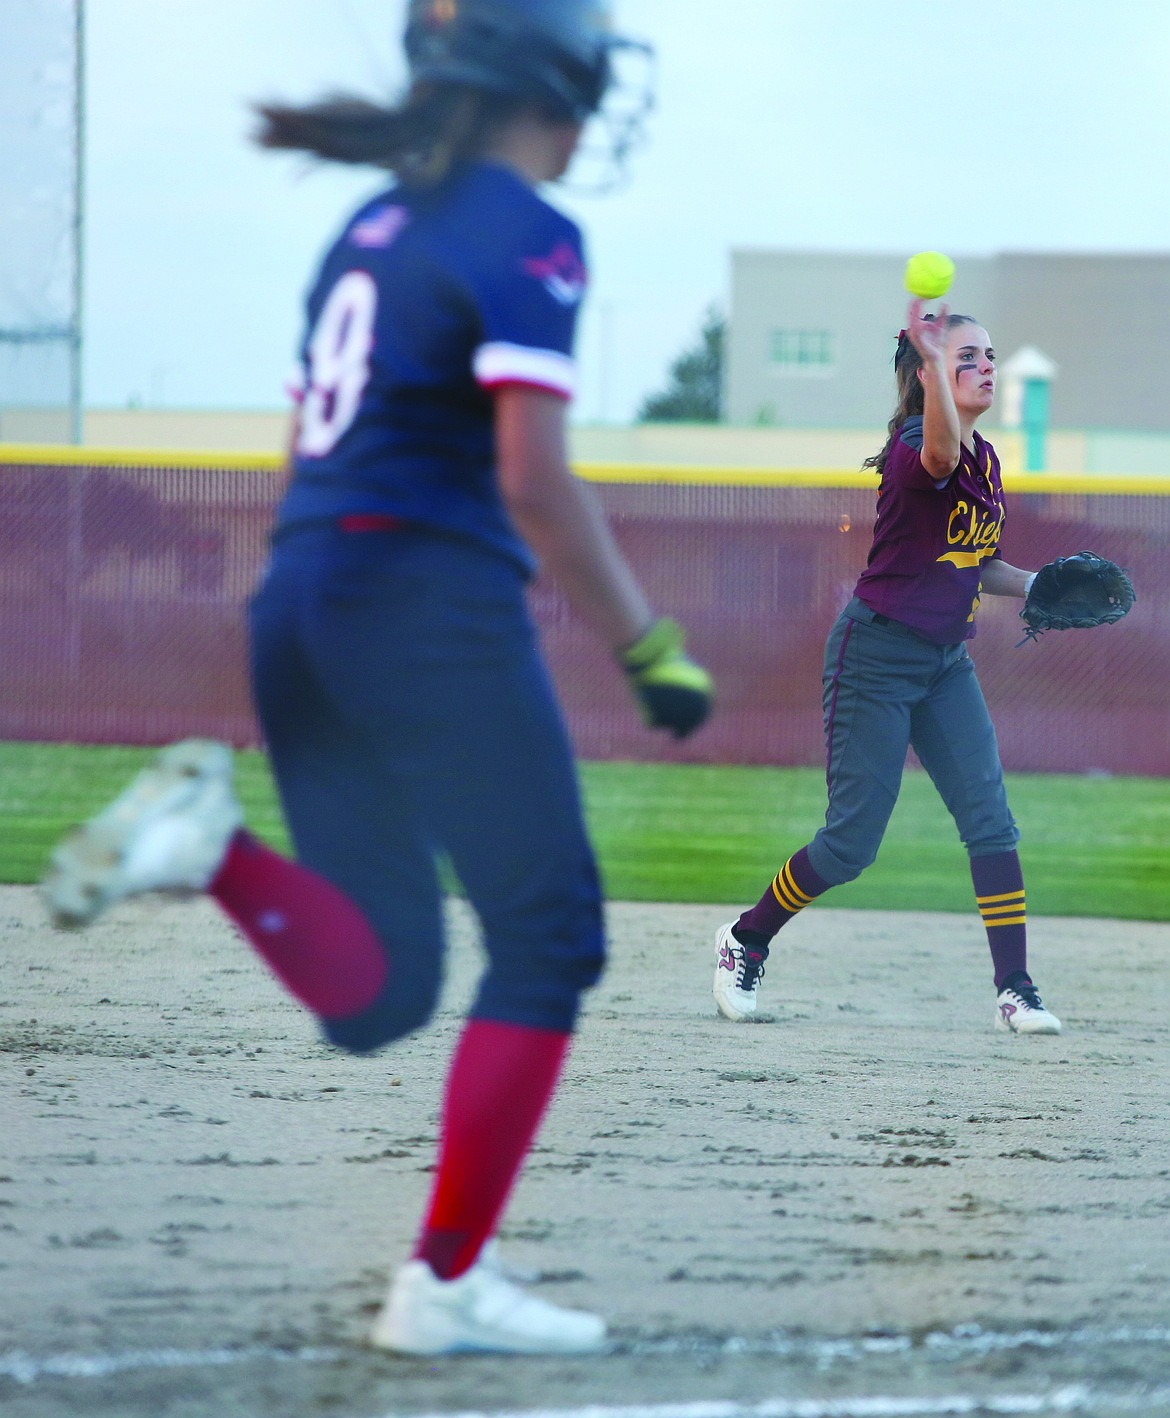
{"type": "Point", "coordinates": [786, 891]}
{"type": "Point", "coordinates": [780, 891]}
{"type": "Point", "coordinates": [1008, 921]}
{"type": "Point", "coordinates": [1004, 896]}
{"type": "Point", "coordinates": [1008, 906]}
{"type": "Point", "coordinates": [790, 882]}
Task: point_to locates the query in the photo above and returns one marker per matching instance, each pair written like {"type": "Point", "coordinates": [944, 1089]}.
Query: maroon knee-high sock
{"type": "Point", "coordinates": [794, 886]}
{"type": "Point", "coordinates": [310, 933]}
{"type": "Point", "coordinates": [501, 1080]}
{"type": "Point", "coordinates": [999, 893]}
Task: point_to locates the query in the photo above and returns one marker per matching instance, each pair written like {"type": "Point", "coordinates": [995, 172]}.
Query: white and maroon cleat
{"type": "Point", "coordinates": [1018, 1010]}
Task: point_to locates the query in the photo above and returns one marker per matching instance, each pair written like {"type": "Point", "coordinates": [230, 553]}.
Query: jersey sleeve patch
{"type": "Point", "coordinates": [379, 228]}
{"type": "Point", "coordinates": [526, 279]}
{"type": "Point", "coordinates": [561, 272]}
{"type": "Point", "coordinates": [499, 362]}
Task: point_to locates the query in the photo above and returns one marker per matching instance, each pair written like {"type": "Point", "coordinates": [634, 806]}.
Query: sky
{"type": "Point", "coordinates": [844, 125]}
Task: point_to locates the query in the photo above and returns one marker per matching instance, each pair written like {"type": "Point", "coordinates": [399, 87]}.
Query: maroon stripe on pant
{"type": "Point", "coordinates": [833, 706]}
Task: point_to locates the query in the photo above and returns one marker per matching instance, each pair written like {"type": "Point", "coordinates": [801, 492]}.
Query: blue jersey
{"type": "Point", "coordinates": [431, 298]}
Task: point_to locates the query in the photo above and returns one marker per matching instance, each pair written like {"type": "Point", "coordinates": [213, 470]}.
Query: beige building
{"type": "Point", "coordinates": [812, 334]}
{"type": "Point", "coordinates": [809, 377]}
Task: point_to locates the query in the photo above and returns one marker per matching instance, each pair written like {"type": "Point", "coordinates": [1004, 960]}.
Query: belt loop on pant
{"type": "Point", "coordinates": [369, 522]}
{"type": "Point", "coordinates": [880, 619]}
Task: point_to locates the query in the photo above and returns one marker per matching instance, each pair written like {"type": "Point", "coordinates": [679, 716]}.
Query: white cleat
{"type": "Point", "coordinates": [490, 1256]}
{"type": "Point", "coordinates": [1019, 1010]}
{"type": "Point", "coordinates": [480, 1311]}
{"type": "Point", "coordinates": [168, 831]}
{"type": "Point", "coordinates": [738, 972]}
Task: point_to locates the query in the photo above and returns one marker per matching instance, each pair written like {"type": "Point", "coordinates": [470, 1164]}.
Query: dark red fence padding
{"type": "Point", "coordinates": [121, 591]}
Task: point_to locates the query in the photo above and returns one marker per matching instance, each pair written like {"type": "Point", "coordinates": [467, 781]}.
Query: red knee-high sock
{"type": "Point", "coordinates": [310, 933]}
{"type": "Point", "coordinates": [999, 893]}
{"type": "Point", "coordinates": [501, 1080]}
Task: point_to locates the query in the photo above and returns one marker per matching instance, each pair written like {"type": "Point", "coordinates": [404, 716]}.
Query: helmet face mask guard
{"type": "Point", "coordinates": [559, 55]}
{"type": "Point", "coordinates": [618, 127]}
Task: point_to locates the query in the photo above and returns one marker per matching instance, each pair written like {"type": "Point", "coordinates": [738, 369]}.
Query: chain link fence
{"type": "Point", "coordinates": [122, 585]}
{"type": "Point", "coordinates": [40, 218]}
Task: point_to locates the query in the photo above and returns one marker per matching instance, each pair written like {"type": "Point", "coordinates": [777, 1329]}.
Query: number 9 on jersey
{"type": "Point", "coordinates": [339, 363]}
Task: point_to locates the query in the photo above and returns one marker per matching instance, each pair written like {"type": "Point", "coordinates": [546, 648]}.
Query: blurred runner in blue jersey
{"type": "Point", "coordinates": [403, 699]}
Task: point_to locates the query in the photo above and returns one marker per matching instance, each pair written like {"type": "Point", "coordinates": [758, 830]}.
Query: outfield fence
{"type": "Point", "coordinates": [123, 576]}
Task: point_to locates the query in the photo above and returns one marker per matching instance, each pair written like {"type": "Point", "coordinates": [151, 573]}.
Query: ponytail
{"type": "Point", "coordinates": [435, 127]}
{"type": "Point", "coordinates": [911, 394]}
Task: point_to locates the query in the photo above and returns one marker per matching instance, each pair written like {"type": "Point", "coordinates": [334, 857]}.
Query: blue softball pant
{"type": "Point", "coordinates": [886, 689]}
{"type": "Point", "coordinates": [407, 714]}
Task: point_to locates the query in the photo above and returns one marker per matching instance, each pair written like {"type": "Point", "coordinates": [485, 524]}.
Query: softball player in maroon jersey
{"type": "Point", "coordinates": [403, 699]}
{"type": "Point", "coordinates": [897, 673]}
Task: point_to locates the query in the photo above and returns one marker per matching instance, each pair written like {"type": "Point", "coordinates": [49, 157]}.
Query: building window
{"type": "Point", "coordinates": [802, 352]}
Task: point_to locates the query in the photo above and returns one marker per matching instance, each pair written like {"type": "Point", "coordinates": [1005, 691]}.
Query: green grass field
{"type": "Point", "coordinates": [666, 832]}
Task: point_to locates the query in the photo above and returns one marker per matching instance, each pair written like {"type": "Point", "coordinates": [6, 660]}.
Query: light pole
{"type": "Point", "coordinates": [75, 390]}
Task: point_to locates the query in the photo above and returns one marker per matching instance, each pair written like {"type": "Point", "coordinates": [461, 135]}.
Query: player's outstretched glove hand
{"type": "Point", "coordinates": [1076, 593]}
{"type": "Point", "coordinates": [674, 692]}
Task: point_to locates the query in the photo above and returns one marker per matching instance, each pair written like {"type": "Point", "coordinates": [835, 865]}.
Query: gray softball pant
{"type": "Point", "coordinates": [887, 688]}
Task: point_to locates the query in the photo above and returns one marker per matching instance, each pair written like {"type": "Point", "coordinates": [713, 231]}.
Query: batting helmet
{"type": "Point", "coordinates": [553, 52]}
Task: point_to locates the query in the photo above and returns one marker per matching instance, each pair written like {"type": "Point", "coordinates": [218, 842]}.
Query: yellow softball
{"type": "Point", "coordinates": [929, 274]}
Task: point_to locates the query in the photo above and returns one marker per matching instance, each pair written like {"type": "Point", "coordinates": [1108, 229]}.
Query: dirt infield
{"type": "Point", "coordinates": [874, 1194]}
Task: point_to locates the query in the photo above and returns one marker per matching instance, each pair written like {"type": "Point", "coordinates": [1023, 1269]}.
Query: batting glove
{"type": "Point", "coordinates": [674, 692]}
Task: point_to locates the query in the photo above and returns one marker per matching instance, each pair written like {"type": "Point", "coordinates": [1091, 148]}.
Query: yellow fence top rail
{"type": "Point", "coordinates": [1100, 484]}
{"type": "Point", "coordinates": [70, 455]}
{"type": "Point", "coordinates": [1091, 484]}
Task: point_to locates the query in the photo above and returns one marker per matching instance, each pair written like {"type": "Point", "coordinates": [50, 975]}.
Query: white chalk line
{"type": "Point", "coordinates": [965, 1341]}
{"type": "Point", "coordinates": [1070, 1399]}
{"type": "Point", "coordinates": [1073, 1398]}
{"type": "Point", "coordinates": [27, 1370]}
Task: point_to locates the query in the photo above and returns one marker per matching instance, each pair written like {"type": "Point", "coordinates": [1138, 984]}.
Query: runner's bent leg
{"type": "Point", "coordinates": [356, 829]}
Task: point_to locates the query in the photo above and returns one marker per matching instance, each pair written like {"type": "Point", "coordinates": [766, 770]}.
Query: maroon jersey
{"type": "Point", "coordinates": [931, 538]}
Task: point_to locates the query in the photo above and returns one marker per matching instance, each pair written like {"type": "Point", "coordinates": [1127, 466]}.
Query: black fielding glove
{"type": "Point", "coordinates": [673, 691]}
{"type": "Point", "coordinates": [1076, 593]}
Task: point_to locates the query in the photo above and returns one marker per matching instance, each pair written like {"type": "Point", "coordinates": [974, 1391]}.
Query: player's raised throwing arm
{"type": "Point", "coordinates": [941, 433]}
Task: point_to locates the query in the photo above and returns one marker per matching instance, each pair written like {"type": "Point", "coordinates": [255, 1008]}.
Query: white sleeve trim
{"type": "Point", "coordinates": [502, 363]}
